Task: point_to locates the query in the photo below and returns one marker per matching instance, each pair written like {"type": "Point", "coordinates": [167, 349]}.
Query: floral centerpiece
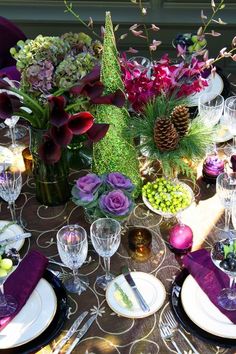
{"type": "Point", "coordinates": [60, 81]}
{"type": "Point", "coordinates": [106, 195]}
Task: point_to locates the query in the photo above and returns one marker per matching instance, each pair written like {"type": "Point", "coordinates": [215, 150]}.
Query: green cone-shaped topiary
{"type": "Point", "coordinates": [115, 152]}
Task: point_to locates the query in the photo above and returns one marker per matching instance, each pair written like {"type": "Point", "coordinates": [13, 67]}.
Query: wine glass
{"type": "Point", "coordinates": [105, 236]}
{"type": "Point", "coordinates": [10, 188]}
{"type": "Point", "coordinates": [8, 304]}
{"type": "Point", "coordinates": [223, 254]}
{"type": "Point", "coordinates": [11, 123]}
{"type": "Point", "coordinates": [72, 245]}
{"type": "Point", "coordinates": [225, 188]}
{"type": "Point", "coordinates": [210, 108]}
{"type": "Point", "coordinates": [230, 115]}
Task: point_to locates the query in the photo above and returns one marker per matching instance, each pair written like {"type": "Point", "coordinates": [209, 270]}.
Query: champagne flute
{"type": "Point", "coordinates": [223, 254]}
{"type": "Point", "coordinates": [105, 237]}
{"type": "Point", "coordinates": [10, 188]}
{"type": "Point", "coordinates": [225, 188]}
{"type": "Point", "coordinates": [72, 245]}
{"type": "Point", "coordinates": [210, 108]}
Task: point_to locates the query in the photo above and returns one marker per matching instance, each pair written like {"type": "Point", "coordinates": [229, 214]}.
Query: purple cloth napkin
{"type": "Point", "coordinates": [210, 278]}
{"type": "Point", "coordinates": [23, 280]}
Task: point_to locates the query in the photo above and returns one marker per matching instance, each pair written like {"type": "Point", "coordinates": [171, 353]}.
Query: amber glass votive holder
{"type": "Point", "coordinates": [28, 160]}
{"type": "Point", "coordinates": [140, 243]}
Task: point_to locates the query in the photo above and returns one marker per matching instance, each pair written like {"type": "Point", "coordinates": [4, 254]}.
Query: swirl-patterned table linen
{"type": "Point", "coordinates": [111, 333]}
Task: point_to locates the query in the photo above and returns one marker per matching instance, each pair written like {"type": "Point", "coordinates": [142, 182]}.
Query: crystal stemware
{"type": "Point", "coordinates": [8, 304]}
{"type": "Point", "coordinates": [10, 188]}
{"type": "Point", "coordinates": [210, 108]}
{"type": "Point", "coordinates": [225, 188]}
{"type": "Point", "coordinates": [223, 255]}
{"type": "Point", "coordinates": [105, 237]}
{"type": "Point", "coordinates": [230, 116]}
{"type": "Point", "coordinates": [72, 245]}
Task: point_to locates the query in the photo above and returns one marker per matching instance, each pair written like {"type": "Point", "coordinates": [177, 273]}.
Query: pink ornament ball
{"type": "Point", "coordinates": [181, 237]}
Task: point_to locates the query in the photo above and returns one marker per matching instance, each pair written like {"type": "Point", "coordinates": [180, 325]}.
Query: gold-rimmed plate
{"type": "Point", "coordinates": [35, 316]}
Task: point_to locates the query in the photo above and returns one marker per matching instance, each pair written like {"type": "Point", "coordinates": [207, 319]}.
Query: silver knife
{"type": "Point", "coordinates": [70, 333]}
{"type": "Point", "coordinates": [144, 306]}
{"type": "Point", "coordinates": [81, 333]}
{"type": "Point", "coordinates": [15, 238]}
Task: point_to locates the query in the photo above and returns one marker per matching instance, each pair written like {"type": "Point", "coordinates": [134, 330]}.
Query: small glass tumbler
{"type": "Point", "coordinates": [28, 160]}
{"type": "Point", "coordinates": [140, 244]}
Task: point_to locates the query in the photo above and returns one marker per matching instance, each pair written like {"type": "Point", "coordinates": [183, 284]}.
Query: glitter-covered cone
{"type": "Point", "coordinates": [115, 152]}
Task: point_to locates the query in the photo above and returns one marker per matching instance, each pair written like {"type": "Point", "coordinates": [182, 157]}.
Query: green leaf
{"type": "Point", "coordinates": [124, 297]}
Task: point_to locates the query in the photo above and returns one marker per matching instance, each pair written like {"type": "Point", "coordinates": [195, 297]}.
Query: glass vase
{"type": "Point", "coordinates": [51, 181]}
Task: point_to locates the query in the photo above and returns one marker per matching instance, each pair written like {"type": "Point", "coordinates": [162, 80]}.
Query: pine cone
{"type": "Point", "coordinates": [180, 118]}
{"type": "Point", "coordinates": [165, 134]}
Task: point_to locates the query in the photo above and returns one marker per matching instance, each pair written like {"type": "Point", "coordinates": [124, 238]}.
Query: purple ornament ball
{"type": "Point", "coordinates": [181, 237]}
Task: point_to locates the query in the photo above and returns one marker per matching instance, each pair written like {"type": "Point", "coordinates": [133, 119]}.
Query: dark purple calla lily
{"type": "Point", "coordinates": [80, 123]}
{"type": "Point", "coordinates": [97, 132]}
{"type": "Point", "coordinates": [61, 135]}
{"type": "Point", "coordinates": [49, 151]}
{"type": "Point", "coordinates": [93, 90]}
{"type": "Point", "coordinates": [76, 90]}
{"type": "Point", "coordinates": [8, 105]}
{"type": "Point", "coordinates": [117, 99]}
{"type": "Point", "coordinates": [58, 115]}
{"type": "Point", "coordinates": [93, 76]}
{"type": "Point", "coordinates": [4, 85]}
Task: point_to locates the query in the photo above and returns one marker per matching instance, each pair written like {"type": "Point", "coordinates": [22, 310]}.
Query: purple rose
{"type": "Point", "coordinates": [117, 180]}
{"type": "Point", "coordinates": [88, 186]}
{"type": "Point", "coordinates": [115, 203]}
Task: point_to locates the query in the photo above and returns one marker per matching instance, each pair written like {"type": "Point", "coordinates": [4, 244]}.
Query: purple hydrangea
{"type": "Point", "coordinates": [115, 203]}
{"type": "Point", "coordinates": [119, 181]}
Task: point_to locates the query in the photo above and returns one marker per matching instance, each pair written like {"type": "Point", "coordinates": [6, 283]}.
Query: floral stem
{"type": "Point", "coordinates": [69, 9]}
{"type": "Point", "coordinates": [212, 16]}
{"type": "Point", "coordinates": [145, 30]}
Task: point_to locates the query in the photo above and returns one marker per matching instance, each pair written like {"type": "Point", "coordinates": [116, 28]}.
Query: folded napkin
{"type": "Point", "coordinates": [23, 280]}
{"type": "Point", "coordinates": [210, 278]}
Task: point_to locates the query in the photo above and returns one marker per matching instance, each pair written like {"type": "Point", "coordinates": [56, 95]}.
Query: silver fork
{"type": "Point", "coordinates": [167, 334]}
{"type": "Point", "coordinates": [173, 324]}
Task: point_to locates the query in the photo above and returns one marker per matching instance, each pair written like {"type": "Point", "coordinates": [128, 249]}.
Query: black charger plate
{"type": "Point", "coordinates": [55, 326]}
{"type": "Point", "coordinates": [185, 321]}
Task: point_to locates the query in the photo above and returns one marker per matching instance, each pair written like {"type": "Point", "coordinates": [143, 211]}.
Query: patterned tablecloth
{"type": "Point", "coordinates": [111, 334]}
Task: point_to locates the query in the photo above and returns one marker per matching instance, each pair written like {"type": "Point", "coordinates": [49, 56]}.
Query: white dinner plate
{"type": "Point", "coordinates": [33, 319]}
{"type": "Point", "coordinates": [150, 287]}
{"type": "Point", "coordinates": [6, 155]}
{"type": "Point", "coordinates": [11, 231]}
{"type": "Point", "coordinates": [215, 87]}
{"type": "Point", "coordinates": [203, 312]}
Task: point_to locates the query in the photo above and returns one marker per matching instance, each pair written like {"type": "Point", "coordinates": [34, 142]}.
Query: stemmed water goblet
{"type": "Point", "coordinates": [10, 188]}
{"type": "Point", "coordinates": [8, 304]}
{"type": "Point", "coordinates": [223, 254]}
{"type": "Point", "coordinates": [230, 115]}
{"type": "Point", "coordinates": [210, 108]}
{"type": "Point", "coordinates": [105, 237]}
{"type": "Point", "coordinates": [225, 188]}
{"type": "Point", "coordinates": [72, 245]}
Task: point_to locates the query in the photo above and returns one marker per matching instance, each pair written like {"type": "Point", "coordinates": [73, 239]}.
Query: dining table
{"type": "Point", "coordinates": [111, 333]}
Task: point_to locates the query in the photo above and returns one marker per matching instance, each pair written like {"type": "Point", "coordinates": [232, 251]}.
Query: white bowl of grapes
{"type": "Point", "coordinates": [167, 197]}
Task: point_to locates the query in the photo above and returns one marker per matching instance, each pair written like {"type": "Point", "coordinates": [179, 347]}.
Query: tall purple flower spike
{"type": "Point", "coordinates": [10, 34]}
